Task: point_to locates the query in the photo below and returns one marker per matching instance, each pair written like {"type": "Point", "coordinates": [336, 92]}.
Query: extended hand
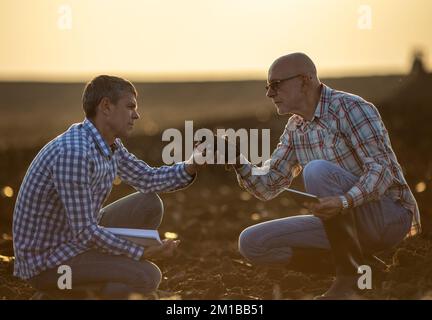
{"type": "Point", "coordinates": [231, 151]}
{"type": "Point", "coordinates": [326, 208]}
{"type": "Point", "coordinates": [165, 250]}
{"type": "Point", "coordinates": [199, 157]}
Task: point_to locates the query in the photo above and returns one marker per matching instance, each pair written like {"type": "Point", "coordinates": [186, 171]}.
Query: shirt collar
{"type": "Point", "coordinates": [324, 101]}
{"type": "Point", "coordinates": [106, 150]}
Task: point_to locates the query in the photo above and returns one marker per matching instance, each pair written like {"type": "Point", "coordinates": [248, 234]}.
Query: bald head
{"type": "Point", "coordinates": [292, 64]}
{"type": "Point", "coordinates": [293, 85]}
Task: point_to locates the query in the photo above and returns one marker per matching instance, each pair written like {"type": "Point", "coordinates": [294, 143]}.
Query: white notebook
{"type": "Point", "coordinates": [143, 237]}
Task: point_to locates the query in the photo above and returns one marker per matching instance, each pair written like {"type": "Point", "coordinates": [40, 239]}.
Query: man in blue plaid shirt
{"type": "Point", "coordinates": [59, 219]}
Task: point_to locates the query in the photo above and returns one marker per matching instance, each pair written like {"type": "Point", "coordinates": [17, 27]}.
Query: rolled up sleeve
{"type": "Point", "coordinates": [364, 127]}
{"type": "Point", "coordinates": [145, 178]}
{"type": "Point", "coordinates": [277, 173]}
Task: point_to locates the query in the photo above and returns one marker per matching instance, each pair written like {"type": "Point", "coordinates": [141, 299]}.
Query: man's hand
{"type": "Point", "coordinates": [206, 151]}
{"type": "Point", "coordinates": [231, 151]}
{"type": "Point", "coordinates": [326, 208]}
{"type": "Point", "coordinates": [165, 250]}
{"type": "Point", "coordinates": [198, 158]}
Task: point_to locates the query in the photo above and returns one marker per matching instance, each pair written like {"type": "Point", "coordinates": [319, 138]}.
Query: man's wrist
{"type": "Point", "coordinates": [350, 200]}
{"type": "Point", "coordinates": [344, 201]}
{"type": "Point", "coordinates": [347, 201]}
{"type": "Point", "coordinates": [191, 169]}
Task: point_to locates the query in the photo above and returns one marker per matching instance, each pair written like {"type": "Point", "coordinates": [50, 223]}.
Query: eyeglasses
{"type": "Point", "coordinates": [275, 84]}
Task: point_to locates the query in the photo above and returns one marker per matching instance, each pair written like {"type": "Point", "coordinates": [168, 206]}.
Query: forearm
{"type": "Point", "coordinates": [161, 179]}
{"type": "Point", "coordinates": [269, 183]}
{"type": "Point", "coordinates": [97, 237]}
{"type": "Point", "coordinates": [371, 185]}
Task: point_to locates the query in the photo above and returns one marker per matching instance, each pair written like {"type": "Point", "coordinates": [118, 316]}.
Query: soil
{"type": "Point", "coordinates": [208, 217]}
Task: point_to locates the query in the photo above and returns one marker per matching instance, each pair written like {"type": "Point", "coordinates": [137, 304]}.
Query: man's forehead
{"type": "Point", "coordinates": [128, 97]}
{"type": "Point", "coordinates": [292, 64]}
{"type": "Point", "coordinates": [278, 71]}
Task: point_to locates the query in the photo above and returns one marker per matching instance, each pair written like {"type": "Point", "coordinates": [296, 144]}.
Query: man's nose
{"type": "Point", "coordinates": [136, 115]}
{"type": "Point", "coordinates": [270, 93]}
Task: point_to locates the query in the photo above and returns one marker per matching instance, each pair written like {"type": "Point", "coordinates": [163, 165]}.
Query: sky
{"type": "Point", "coordinates": [163, 40]}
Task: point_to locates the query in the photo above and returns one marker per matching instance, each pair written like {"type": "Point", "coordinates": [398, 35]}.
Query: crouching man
{"type": "Point", "coordinates": [341, 144]}
{"type": "Point", "coordinates": [59, 219]}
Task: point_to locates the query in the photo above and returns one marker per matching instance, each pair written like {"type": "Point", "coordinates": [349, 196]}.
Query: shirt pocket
{"type": "Point", "coordinates": [338, 149]}
{"type": "Point", "coordinates": [309, 146]}
{"type": "Point", "coordinates": [333, 144]}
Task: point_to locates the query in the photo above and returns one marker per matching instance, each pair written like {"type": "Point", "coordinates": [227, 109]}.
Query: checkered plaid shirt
{"type": "Point", "coordinates": [58, 206]}
{"type": "Point", "coordinates": [345, 130]}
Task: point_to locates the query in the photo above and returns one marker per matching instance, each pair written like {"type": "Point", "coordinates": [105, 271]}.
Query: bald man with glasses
{"type": "Point", "coordinates": [340, 144]}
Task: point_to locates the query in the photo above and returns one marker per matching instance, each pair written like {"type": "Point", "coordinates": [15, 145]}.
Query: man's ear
{"type": "Point", "coordinates": [105, 106]}
{"type": "Point", "coordinates": [305, 79]}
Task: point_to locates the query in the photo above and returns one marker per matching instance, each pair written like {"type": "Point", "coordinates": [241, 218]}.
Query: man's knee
{"type": "Point", "coordinates": [152, 202]}
{"type": "Point", "coordinates": [252, 246]}
{"type": "Point", "coordinates": [247, 245]}
{"type": "Point", "coordinates": [316, 171]}
{"type": "Point", "coordinates": [150, 206]}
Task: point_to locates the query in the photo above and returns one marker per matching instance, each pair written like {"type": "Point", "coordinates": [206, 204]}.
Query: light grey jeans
{"type": "Point", "coordinates": [380, 224]}
{"type": "Point", "coordinates": [112, 276]}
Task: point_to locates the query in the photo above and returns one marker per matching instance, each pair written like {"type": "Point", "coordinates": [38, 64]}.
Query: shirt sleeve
{"type": "Point", "coordinates": [145, 178]}
{"type": "Point", "coordinates": [71, 177]}
{"type": "Point", "coordinates": [363, 126]}
{"type": "Point", "coordinates": [277, 173]}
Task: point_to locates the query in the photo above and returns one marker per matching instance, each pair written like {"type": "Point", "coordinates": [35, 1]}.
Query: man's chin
{"type": "Point", "coordinates": [281, 111]}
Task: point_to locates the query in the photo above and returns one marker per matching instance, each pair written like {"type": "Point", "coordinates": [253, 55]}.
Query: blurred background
{"type": "Point", "coordinates": [206, 61]}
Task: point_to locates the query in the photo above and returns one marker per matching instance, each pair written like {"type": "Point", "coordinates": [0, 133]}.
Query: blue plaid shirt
{"type": "Point", "coordinates": [58, 206]}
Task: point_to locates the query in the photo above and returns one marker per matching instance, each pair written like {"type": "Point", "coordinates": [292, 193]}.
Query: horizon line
{"type": "Point", "coordinates": [220, 76]}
